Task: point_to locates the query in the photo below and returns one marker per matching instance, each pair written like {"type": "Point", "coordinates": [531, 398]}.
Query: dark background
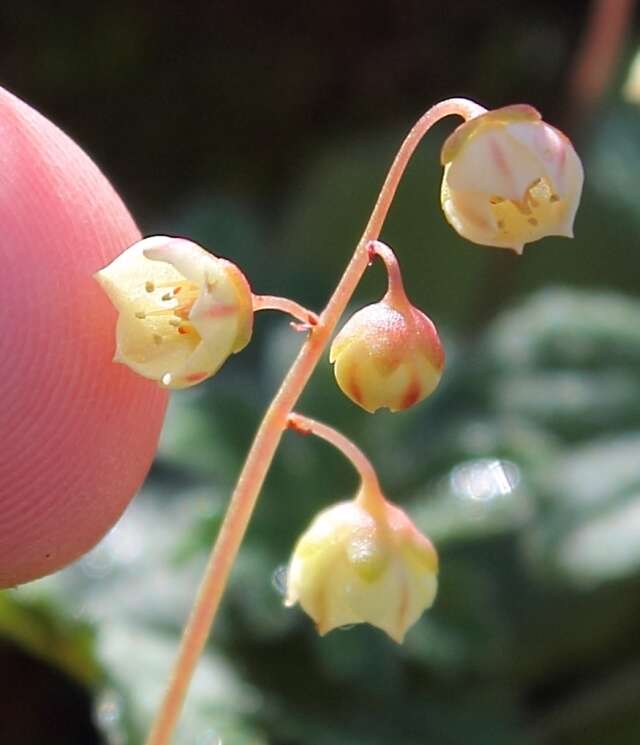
{"type": "Point", "coordinates": [263, 131]}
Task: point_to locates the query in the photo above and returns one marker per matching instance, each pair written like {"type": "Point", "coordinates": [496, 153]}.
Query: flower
{"type": "Point", "coordinates": [363, 561]}
{"type": "Point", "coordinates": [388, 354]}
{"type": "Point", "coordinates": [182, 311]}
{"type": "Point", "coordinates": [80, 432]}
{"type": "Point", "coordinates": [510, 179]}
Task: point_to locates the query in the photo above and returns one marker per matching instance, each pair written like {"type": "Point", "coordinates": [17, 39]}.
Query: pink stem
{"type": "Point", "coordinates": [395, 291]}
{"type": "Point", "coordinates": [270, 432]}
{"type": "Point", "coordinates": [284, 304]}
{"type": "Point", "coordinates": [599, 50]}
{"type": "Point", "coordinates": [306, 426]}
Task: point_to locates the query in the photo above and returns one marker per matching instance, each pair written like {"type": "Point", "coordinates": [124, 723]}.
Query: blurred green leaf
{"type": "Point", "coordinates": [42, 628]}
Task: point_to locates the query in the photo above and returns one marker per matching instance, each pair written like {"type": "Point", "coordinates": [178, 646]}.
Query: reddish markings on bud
{"type": "Point", "coordinates": [389, 353]}
{"type": "Point", "coordinates": [354, 388]}
{"type": "Point", "coordinates": [412, 395]}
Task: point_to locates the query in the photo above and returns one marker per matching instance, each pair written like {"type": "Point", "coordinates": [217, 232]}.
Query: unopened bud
{"type": "Point", "coordinates": [182, 311]}
{"type": "Point", "coordinates": [388, 355]}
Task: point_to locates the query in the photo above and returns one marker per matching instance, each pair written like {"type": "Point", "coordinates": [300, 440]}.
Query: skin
{"type": "Point", "coordinates": [79, 432]}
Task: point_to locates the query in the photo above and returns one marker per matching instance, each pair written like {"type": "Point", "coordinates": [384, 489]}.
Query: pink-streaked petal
{"type": "Point", "coordinates": [558, 160]}
{"type": "Point", "coordinates": [494, 164]}
{"type": "Point", "coordinates": [466, 131]}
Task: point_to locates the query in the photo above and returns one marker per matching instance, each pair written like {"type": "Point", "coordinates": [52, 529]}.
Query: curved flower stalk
{"type": "Point", "coordinates": [79, 433]}
{"type": "Point", "coordinates": [510, 179]}
{"type": "Point", "coordinates": [388, 531]}
{"type": "Point", "coordinates": [363, 560]}
{"type": "Point", "coordinates": [276, 420]}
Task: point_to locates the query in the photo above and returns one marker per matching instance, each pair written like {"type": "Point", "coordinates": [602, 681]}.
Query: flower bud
{"type": "Point", "coordinates": [387, 355]}
{"type": "Point", "coordinates": [182, 311]}
{"type": "Point", "coordinates": [510, 179]}
{"type": "Point", "coordinates": [363, 561]}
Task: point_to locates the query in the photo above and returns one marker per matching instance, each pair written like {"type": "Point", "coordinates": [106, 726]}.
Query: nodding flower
{"type": "Point", "coordinates": [363, 561]}
{"type": "Point", "coordinates": [510, 179]}
{"type": "Point", "coordinates": [182, 311]}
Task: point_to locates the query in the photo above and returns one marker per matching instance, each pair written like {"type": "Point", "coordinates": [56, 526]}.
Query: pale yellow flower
{"type": "Point", "coordinates": [363, 561]}
{"type": "Point", "coordinates": [182, 311]}
{"type": "Point", "coordinates": [510, 179]}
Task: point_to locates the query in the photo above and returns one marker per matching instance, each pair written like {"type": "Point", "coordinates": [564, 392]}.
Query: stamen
{"type": "Point", "coordinates": [496, 200]}
{"type": "Point", "coordinates": [141, 314]}
{"type": "Point", "coordinates": [523, 207]}
{"type": "Point", "coordinates": [532, 221]}
{"type": "Point", "coordinates": [175, 322]}
{"type": "Point", "coordinates": [183, 330]}
{"type": "Point", "coordinates": [149, 286]}
{"type": "Point", "coordinates": [157, 338]}
{"type": "Point", "coordinates": [167, 296]}
{"type": "Point", "coordinates": [554, 198]}
{"type": "Point", "coordinates": [159, 312]}
{"type": "Point", "coordinates": [182, 311]}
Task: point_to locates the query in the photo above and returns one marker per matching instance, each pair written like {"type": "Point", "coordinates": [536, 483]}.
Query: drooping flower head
{"type": "Point", "coordinates": [510, 179]}
{"type": "Point", "coordinates": [363, 561]}
{"type": "Point", "coordinates": [182, 311]}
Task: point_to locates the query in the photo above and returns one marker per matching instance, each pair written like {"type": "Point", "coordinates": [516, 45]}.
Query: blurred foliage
{"type": "Point", "coordinates": [264, 132]}
{"type": "Point", "coordinates": [524, 471]}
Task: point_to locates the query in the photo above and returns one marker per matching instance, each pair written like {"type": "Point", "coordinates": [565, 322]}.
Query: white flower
{"type": "Point", "coordinates": [182, 311]}
{"type": "Point", "coordinates": [510, 179]}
